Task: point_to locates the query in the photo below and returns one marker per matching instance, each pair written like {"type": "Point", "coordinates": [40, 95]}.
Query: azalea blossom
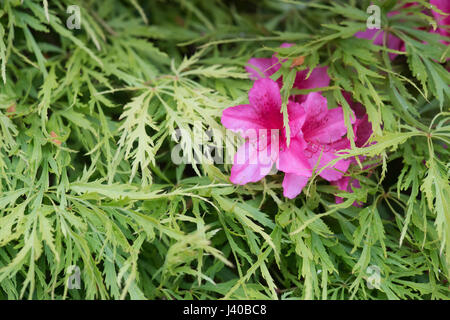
{"type": "Point", "coordinates": [323, 131]}
{"type": "Point", "coordinates": [316, 134]}
{"type": "Point", "coordinates": [377, 36]}
{"type": "Point", "coordinates": [260, 68]}
{"type": "Point", "coordinates": [444, 6]}
{"type": "Point", "coordinates": [258, 121]}
{"type": "Point", "coordinates": [347, 184]}
{"type": "Point", "coordinates": [395, 43]}
{"type": "Point", "coordinates": [362, 130]}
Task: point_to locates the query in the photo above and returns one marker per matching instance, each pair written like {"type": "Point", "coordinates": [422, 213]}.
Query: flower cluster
{"type": "Point", "coordinates": [442, 21]}
{"type": "Point", "coordinates": [395, 43]}
{"type": "Point", "coordinates": [316, 132]}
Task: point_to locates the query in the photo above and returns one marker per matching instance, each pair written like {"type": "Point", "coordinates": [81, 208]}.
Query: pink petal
{"type": "Point", "coordinates": [362, 127]}
{"type": "Point", "coordinates": [297, 117]}
{"type": "Point", "coordinates": [328, 129]}
{"type": "Point", "coordinates": [363, 131]}
{"type": "Point", "coordinates": [342, 183]}
{"type": "Point", "coordinates": [250, 165]}
{"type": "Point", "coordinates": [293, 184]}
{"type": "Point", "coordinates": [394, 43]}
{"type": "Point", "coordinates": [317, 79]}
{"type": "Point", "coordinates": [259, 68]}
{"type": "Point", "coordinates": [346, 184]}
{"type": "Point", "coordinates": [262, 67]}
{"type": "Point", "coordinates": [336, 171]}
{"type": "Point", "coordinates": [444, 6]}
{"type": "Point", "coordinates": [322, 125]}
{"type": "Point", "coordinates": [327, 153]}
{"type": "Point", "coordinates": [241, 118]}
{"type": "Point", "coordinates": [357, 107]}
{"type": "Point", "coordinates": [371, 34]}
{"type": "Point", "coordinates": [338, 200]}
{"type": "Point", "coordinates": [293, 159]}
{"type": "Point", "coordinates": [265, 97]}
{"type": "Point", "coordinates": [315, 106]}
{"type": "Point", "coordinates": [377, 36]}
{"type": "Point", "coordinates": [286, 45]}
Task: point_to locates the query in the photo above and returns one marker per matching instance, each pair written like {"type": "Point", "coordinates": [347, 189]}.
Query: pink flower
{"type": "Point", "coordinates": [323, 131]}
{"type": "Point", "coordinates": [377, 36]}
{"type": "Point", "coordinates": [444, 6]}
{"type": "Point", "coordinates": [395, 43]}
{"type": "Point", "coordinates": [346, 184]}
{"type": "Point", "coordinates": [260, 68]}
{"type": "Point", "coordinates": [316, 132]}
{"type": "Point", "coordinates": [362, 130]}
{"type": "Point", "coordinates": [261, 123]}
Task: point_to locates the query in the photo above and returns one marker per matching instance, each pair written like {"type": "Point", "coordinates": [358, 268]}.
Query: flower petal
{"type": "Point", "coordinates": [357, 107]}
{"type": "Point", "coordinates": [377, 36]}
{"type": "Point", "coordinates": [363, 131]}
{"type": "Point", "coordinates": [297, 118]}
{"type": "Point", "coordinates": [286, 45]}
{"type": "Point", "coordinates": [250, 164]}
{"type": "Point", "coordinates": [330, 128]}
{"type": "Point", "coordinates": [322, 125]}
{"type": "Point", "coordinates": [293, 159]}
{"type": "Point", "coordinates": [444, 6]}
{"type": "Point", "coordinates": [265, 97]}
{"type": "Point", "coordinates": [317, 79]}
{"type": "Point", "coordinates": [342, 183]}
{"type": "Point", "coordinates": [394, 43]}
{"type": "Point", "coordinates": [346, 184]}
{"type": "Point", "coordinates": [293, 184]}
{"type": "Point", "coordinates": [315, 106]}
{"type": "Point", "coordinates": [241, 118]}
{"type": "Point", "coordinates": [335, 172]}
{"type": "Point", "coordinates": [259, 68]}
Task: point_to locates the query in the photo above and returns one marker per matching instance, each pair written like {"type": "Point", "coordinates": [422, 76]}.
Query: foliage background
{"type": "Point", "coordinates": [86, 124]}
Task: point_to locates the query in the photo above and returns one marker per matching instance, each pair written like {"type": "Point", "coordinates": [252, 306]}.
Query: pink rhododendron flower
{"type": "Point", "coordinates": [259, 68]}
{"type": "Point", "coordinates": [346, 184]}
{"type": "Point", "coordinates": [362, 130]}
{"type": "Point", "coordinates": [324, 131]}
{"type": "Point", "coordinates": [257, 122]}
{"type": "Point", "coordinates": [395, 43]}
{"type": "Point", "coordinates": [444, 6]}
{"type": "Point", "coordinates": [316, 132]}
{"type": "Point", "coordinates": [377, 36]}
